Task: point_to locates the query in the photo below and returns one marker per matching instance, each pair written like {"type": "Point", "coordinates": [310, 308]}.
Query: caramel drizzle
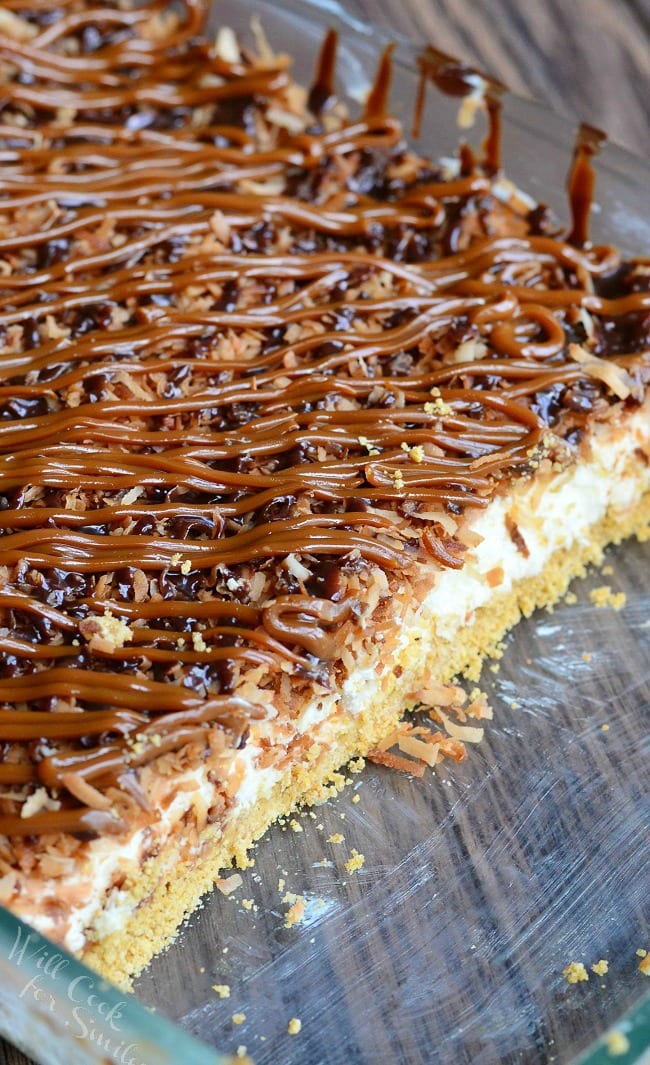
{"type": "Point", "coordinates": [458, 79]}
{"type": "Point", "coordinates": [129, 439]}
{"type": "Point", "coordinates": [582, 181]}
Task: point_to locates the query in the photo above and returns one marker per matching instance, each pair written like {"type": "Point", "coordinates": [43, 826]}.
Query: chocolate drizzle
{"type": "Point", "coordinates": [247, 354]}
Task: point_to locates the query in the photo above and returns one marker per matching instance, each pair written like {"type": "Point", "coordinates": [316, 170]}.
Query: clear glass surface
{"type": "Point", "coordinates": [480, 881]}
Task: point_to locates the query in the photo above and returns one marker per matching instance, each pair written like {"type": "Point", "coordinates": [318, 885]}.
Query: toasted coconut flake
{"type": "Point", "coordinates": [8, 887]}
{"type": "Point", "coordinates": [53, 330]}
{"type": "Point", "coordinates": [229, 884]}
{"type": "Point", "coordinates": [39, 801]}
{"type": "Point", "coordinates": [426, 752]}
{"type": "Point", "coordinates": [480, 708]}
{"type": "Point", "coordinates": [160, 26]}
{"type": "Point", "coordinates": [449, 523]}
{"type": "Point", "coordinates": [394, 761]}
{"type": "Point", "coordinates": [586, 321]}
{"type": "Point", "coordinates": [270, 187]}
{"type": "Point", "coordinates": [264, 50]}
{"type": "Point", "coordinates": [472, 350]}
{"type": "Point", "coordinates": [220, 227]}
{"type": "Point", "coordinates": [464, 733]}
{"type": "Point", "coordinates": [469, 537]}
{"type": "Point", "coordinates": [470, 105]}
{"type": "Point", "coordinates": [296, 567]}
{"type": "Point", "coordinates": [440, 695]}
{"type": "Point", "coordinates": [19, 29]}
{"type": "Point", "coordinates": [610, 373]}
{"type": "Point", "coordinates": [390, 740]}
{"type": "Point", "coordinates": [495, 576]}
{"type": "Point", "coordinates": [451, 748]}
{"type": "Point", "coordinates": [130, 497]}
{"type": "Point", "coordinates": [226, 47]}
{"type": "Point", "coordinates": [285, 119]}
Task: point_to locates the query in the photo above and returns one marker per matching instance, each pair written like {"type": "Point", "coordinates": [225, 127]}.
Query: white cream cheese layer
{"type": "Point", "coordinates": [572, 502]}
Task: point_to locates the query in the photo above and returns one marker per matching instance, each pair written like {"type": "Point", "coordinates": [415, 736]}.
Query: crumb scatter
{"type": "Point", "coordinates": [575, 972]}
{"type": "Point", "coordinates": [604, 596]}
{"type": "Point", "coordinates": [617, 1043]}
{"type": "Point", "coordinates": [355, 862]}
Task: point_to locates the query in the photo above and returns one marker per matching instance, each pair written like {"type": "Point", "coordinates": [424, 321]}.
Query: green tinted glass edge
{"type": "Point", "coordinates": [626, 1042]}
{"type": "Point", "coordinates": [56, 1009]}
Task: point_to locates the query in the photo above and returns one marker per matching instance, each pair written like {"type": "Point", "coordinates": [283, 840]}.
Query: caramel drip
{"type": "Point", "coordinates": [250, 356]}
{"type": "Point", "coordinates": [582, 180]}
{"type": "Point", "coordinates": [322, 92]}
{"type": "Point", "coordinates": [456, 78]}
{"type": "Point", "coordinates": [377, 101]}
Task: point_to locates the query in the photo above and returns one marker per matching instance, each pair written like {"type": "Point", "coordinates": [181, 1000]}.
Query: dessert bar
{"type": "Point", "coordinates": [295, 424]}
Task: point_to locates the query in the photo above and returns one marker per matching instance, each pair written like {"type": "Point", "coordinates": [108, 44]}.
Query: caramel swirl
{"type": "Point", "coordinates": [257, 358]}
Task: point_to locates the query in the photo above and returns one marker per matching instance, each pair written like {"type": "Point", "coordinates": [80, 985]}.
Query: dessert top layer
{"type": "Point", "coordinates": [254, 351]}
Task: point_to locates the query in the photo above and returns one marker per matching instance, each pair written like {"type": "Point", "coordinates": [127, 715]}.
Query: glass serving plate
{"type": "Point", "coordinates": [482, 881]}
